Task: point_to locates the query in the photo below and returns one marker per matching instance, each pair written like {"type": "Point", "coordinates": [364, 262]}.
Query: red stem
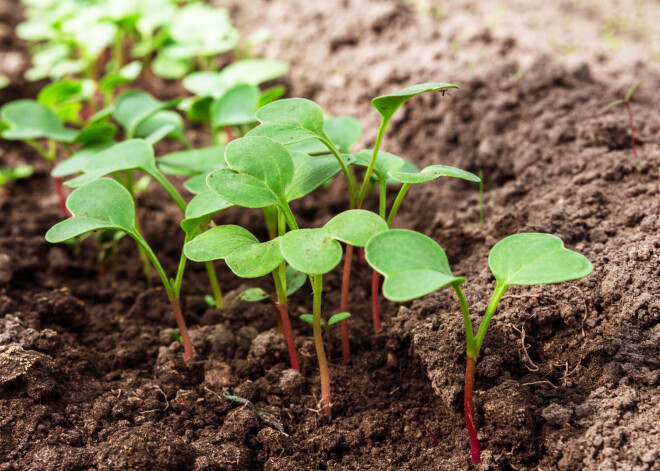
{"type": "Point", "coordinates": [468, 408]}
{"type": "Point", "coordinates": [189, 350]}
{"type": "Point", "coordinates": [280, 326]}
{"type": "Point", "coordinates": [361, 256]}
{"type": "Point", "coordinates": [288, 333]}
{"type": "Point", "coordinates": [632, 129]}
{"type": "Point", "coordinates": [375, 306]}
{"type": "Point", "coordinates": [343, 306]}
{"type": "Point", "coordinates": [61, 197]}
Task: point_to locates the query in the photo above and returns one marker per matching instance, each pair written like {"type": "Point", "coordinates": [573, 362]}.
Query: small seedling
{"type": "Point", "coordinates": [626, 102]}
{"type": "Point", "coordinates": [11, 174]}
{"type": "Point", "coordinates": [336, 318]}
{"type": "Point", "coordinates": [414, 265]}
{"type": "Point", "coordinates": [105, 204]}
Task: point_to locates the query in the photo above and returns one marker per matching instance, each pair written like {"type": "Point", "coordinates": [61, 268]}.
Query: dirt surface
{"type": "Point", "coordinates": [569, 379]}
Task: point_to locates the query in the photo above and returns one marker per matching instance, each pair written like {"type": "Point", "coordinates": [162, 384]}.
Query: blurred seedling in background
{"type": "Point", "coordinates": [626, 102]}
{"type": "Point", "coordinates": [11, 174]}
{"type": "Point", "coordinates": [414, 265]}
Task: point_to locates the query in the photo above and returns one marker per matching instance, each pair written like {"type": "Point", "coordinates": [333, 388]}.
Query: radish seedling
{"type": "Point", "coordinates": [414, 265]}
{"type": "Point", "coordinates": [11, 174]}
{"type": "Point", "coordinates": [106, 204]}
{"type": "Point", "coordinates": [626, 102]}
{"type": "Point", "coordinates": [334, 319]}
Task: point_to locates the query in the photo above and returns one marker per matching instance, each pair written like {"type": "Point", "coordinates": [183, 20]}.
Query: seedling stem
{"type": "Point", "coordinates": [343, 305]}
{"type": "Point", "coordinates": [317, 286]}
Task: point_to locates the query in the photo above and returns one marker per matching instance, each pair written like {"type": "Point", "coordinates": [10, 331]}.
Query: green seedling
{"type": "Point", "coordinates": [414, 265]}
{"type": "Point", "coordinates": [335, 319]}
{"type": "Point", "coordinates": [106, 204]}
{"type": "Point", "coordinates": [11, 174]}
{"type": "Point", "coordinates": [626, 102]}
{"type": "Point", "coordinates": [299, 124]}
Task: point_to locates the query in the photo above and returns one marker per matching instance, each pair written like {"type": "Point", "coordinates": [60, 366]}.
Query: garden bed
{"type": "Point", "coordinates": [90, 376]}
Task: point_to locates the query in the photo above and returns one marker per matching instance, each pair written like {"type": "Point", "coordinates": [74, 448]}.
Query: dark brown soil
{"type": "Point", "coordinates": [90, 377]}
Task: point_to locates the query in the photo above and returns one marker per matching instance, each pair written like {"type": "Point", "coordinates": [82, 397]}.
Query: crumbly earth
{"type": "Point", "coordinates": [569, 379]}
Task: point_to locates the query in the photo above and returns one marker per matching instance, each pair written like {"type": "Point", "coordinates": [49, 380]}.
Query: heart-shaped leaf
{"type": "Point", "coordinates": [431, 173]}
{"type": "Point", "coordinates": [101, 204]}
{"type": "Point", "coordinates": [388, 104]}
{"type": "Point", "coordinates": [260, 171]}
{"type": "Point", "coordinates": [197, 184]}
{"type": "Point", "coordinates": [289, 121]}
{"type": "Point", "coordinates": [413, 264]}
{"type": "Point", "coordinates": [311, 251]}
{"type": "Point", "coordinates": [28, 119]}
{"type": "Point", "coordinates": [192, 162]}
{"type": "Point", "coordinates": [535, 259]}
{"type": "Point", "coordinates": [201, 208]}
{"type": "Point", "coordinates": [170, 68]}
{"type": "Point", "coordinates": [243, 253]}
{"type": "Point", "coordinates": [133, 107]}
{"type": "Point", "coordinates": [236, 107]}
{"type": "Point", "coordinates": [356, 226]}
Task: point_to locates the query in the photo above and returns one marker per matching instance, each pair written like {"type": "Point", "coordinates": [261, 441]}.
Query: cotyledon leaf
{"type": "Point", "coordinates": [431, 173]}
{"type": "Point", "coordinates": [413, 264]}
{"type": "Point", "coordinates": [311, 251]}
{"type": "Point", "coordinates": [356, 226]}
{"type": "Point", "coordinates": [388, 104]}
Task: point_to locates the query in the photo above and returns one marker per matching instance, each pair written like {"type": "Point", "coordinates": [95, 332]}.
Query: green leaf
{"type": "Point", "coordinates": [342, 131]}
{"type": "Point", "coordinates": [294, 280]}
{"type": "Point", "coordinates": [431, 173]}
{"type": "Point", "coordinates": [96, 133]}
{"type": "Point", "coordinates": [271, 94]}
{"type": "Point", "coordinates": [101, 204]}
{"type": "Point", "coordinates": [243, 253]}
{"type": "Point", "coordinates": [632, 90]}
{"type": "Point", "coordinates": [252, 295]}
{"type": "Point", "coordinates": [614, 103]}
{"type": "Point", "coordinates": [192, 162]}
{"type": "Point", "coordinates": [199, 109]}
{"type": "Point", "coordinates": [79, 159]}
{"type": "Point", "coordinates": [170, 68]}
{"type": "Point", "coordinates": [260, 171]}
{"type": "Point", "coordinates": [254, 71]}
{"type": "Point", "coordinates": [197, 184]}
{"type": "Point", "coordinates": [255, 260]}
{"type": "Point", "coordinates": [341, 316]}
{"type": "Point", "coordinates": [125, 75]}
{"type": "Point", "coordinates": [202, 207]}
{"type": "Point", "coordinates": [535, 259]}
{"type": "Point", "coordinates": [134, 154]}
{"type": "Point", "coordinates": [385, 162]}
{"type": "Point", "coordinates": [28, 119]}
{"type": "Point", "coordinates": [289, 121]}
{"type": "Point", "coordinates": [160, 120]}
{"type": "Point", "coordinates": [312, 172]}
{"type": "Point", "coordinates": [218, 242]}
{"type": "Point", "coordinates": [356, 226]}
{"type": "Point", "coordinates": [236, 107]}
{"type": "Point", "coordinates": [413, 264]}
{"type": "Point", "coordinates": [311, 251]}
{"type": "Point", "coordinates": [388, 104]}
{"type": "Point", "coordinates": [309, 318]}
{"type": "Point", "coordinates": [133, 107]}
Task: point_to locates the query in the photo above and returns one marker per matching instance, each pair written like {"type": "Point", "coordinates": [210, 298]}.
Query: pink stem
{"type": "Point", "coordinates": [343, 307]}
{"type": "Point", "coordinates": [288, 333]}
{"type": "Point", "coordinates": [468, 409]}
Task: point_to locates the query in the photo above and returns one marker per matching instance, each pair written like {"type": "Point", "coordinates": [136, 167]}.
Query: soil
{"type": "Point", "coordinates": [569, 379]}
